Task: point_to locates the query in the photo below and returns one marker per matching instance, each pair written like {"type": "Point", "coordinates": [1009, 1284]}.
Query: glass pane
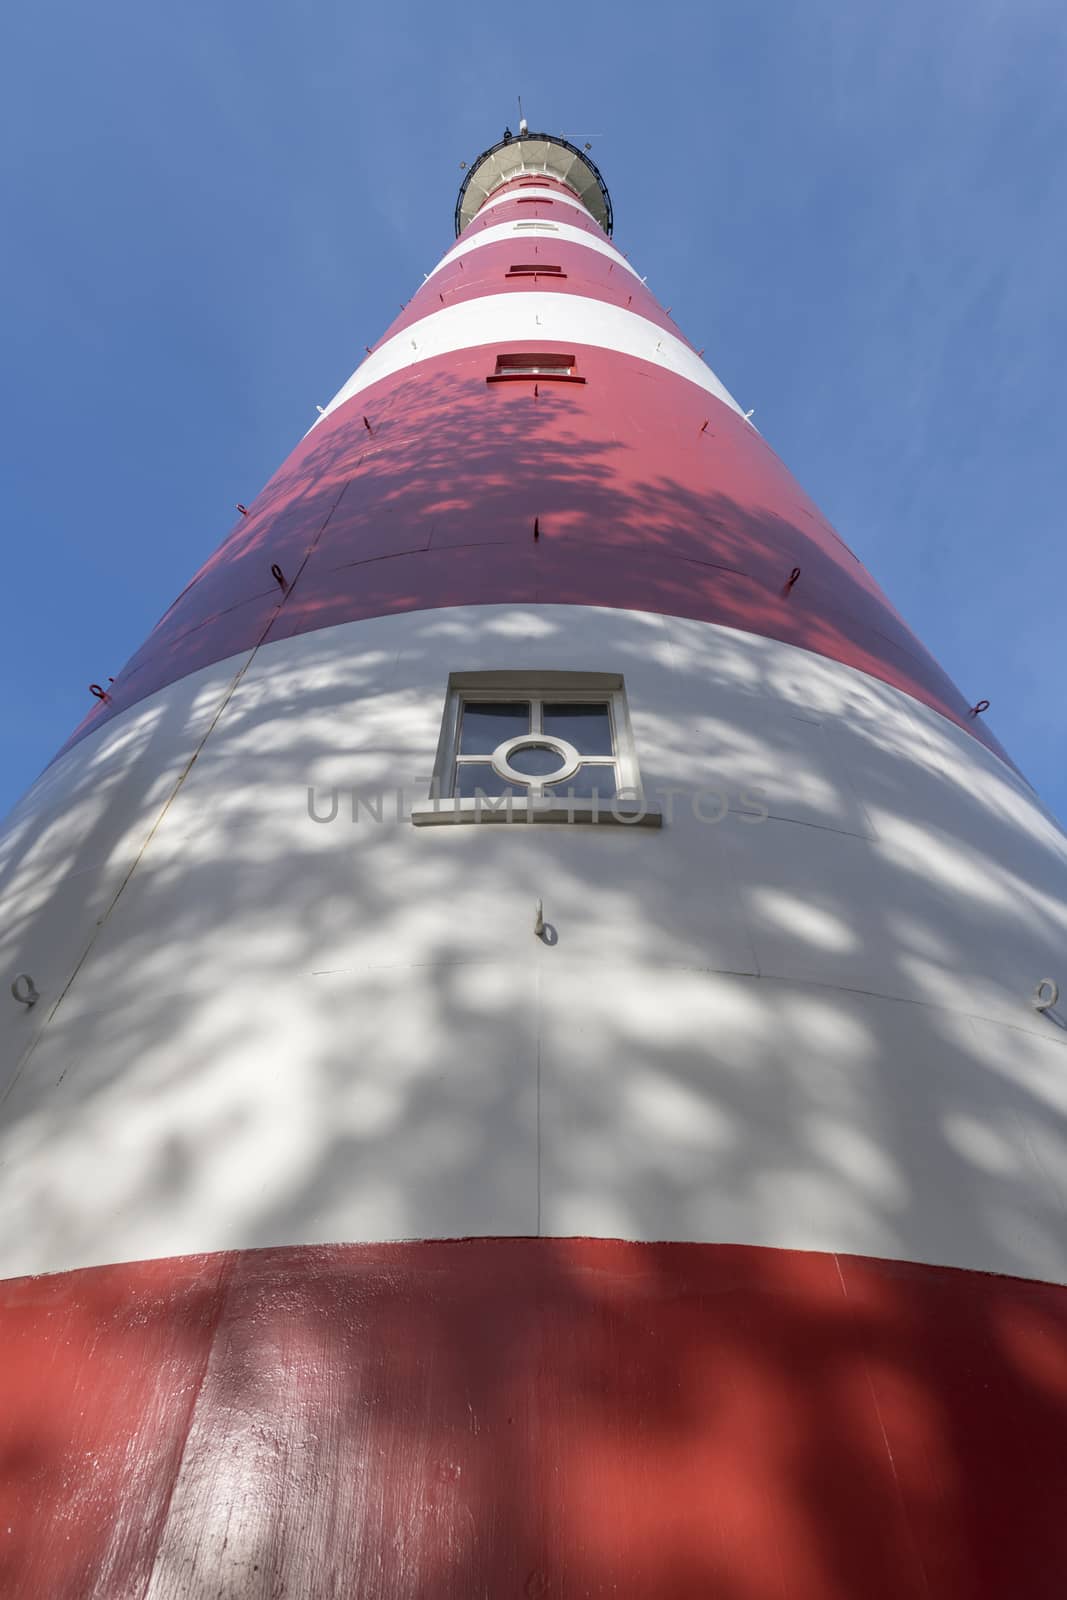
{"type": "Point", "coordinates": [488, 723]}
{"type": "Point", "coordinates": [471, 775]}
{"type": "Point", "coordinates": [536, 760]}
{"type": "Point", "coordinates": [587, 727]}
{"type": "Point", "coordinates": [588, 778]}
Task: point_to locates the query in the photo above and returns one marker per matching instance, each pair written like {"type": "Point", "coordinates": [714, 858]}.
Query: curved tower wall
{"type": "Point", "coordinates": [718, 1168]}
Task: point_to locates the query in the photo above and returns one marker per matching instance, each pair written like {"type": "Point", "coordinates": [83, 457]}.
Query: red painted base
{"type": "Point", "coordinates": [532, 1417]}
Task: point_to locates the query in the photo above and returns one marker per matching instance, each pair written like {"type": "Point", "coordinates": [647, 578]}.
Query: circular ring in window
{"type": "Point", "coordinates": [536, 758]}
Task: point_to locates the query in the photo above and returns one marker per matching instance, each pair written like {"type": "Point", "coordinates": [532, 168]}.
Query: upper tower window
{"type": "Point", "coordinates": [533, 269]}
{"type": "Point", "coordinates": [534, 364]}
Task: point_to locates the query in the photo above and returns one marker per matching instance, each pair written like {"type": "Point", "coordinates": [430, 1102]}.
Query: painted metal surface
{"type": "Point", "coordinates": [497, 318]}
{"type": "Point", "coordinates": [813, 1030]}
{"type": "Point", "coordinates": [418, 485]}
{"type": "Point", "coordinates": [797, 1033]}
{"type": "Point", "coordinates": [515, 192]}
{"type": "Point", "coordinates": [589, 273]}
{"type": "Point", "coordinates": [532, 1417]}
{"type": "Point", "coordinates": [433, 504]}
{"type": "Point", "coordinates": [506, 230]}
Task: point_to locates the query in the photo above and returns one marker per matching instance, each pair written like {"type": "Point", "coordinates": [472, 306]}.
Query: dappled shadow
{"type": "Point", "coordinates": [790, 1033]}
{"type": "Point", "coordinates": [538, 1417]}
{"type": "Point", "coordinates": [423, 491]}
{"type": "Point", "coordinates": [810, 1033]}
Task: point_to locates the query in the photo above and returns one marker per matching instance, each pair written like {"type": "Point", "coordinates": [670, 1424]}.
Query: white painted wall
{"type": "Point", "coordinates": [511, 230]}
{"type": "Point", "coordinates": [69, 845]}
{"type": "Point", "coordinates": [531, 193]}
{"type": "Point", "coordinates": [811, 1031]}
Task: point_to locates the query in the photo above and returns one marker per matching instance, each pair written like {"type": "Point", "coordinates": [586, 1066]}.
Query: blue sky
{"type": "Point", "coordinates": [859, 209]}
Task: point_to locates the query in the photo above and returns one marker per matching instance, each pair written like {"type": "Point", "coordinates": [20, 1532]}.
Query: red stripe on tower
{"type": "Point", "coordinates": [533, 1417]}
{"type": "Point", "coordinates": [434, 507]}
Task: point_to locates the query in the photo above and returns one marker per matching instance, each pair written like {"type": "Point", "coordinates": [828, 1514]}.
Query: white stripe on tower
{"type": "Point", "coordinates": [554, 195]}
{"type": "Point", "coordinates": [538, 319]}
{"type": "Point", "coordinates": [564, 234]}
{"type": "Point", "coordinates": [715, 1065]}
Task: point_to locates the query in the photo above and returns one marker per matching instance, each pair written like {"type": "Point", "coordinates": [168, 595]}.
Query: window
{"type": "Point", "coordinates": [538, 227]}
{"type": "Point", "coordinates": [531, 269]}
{"type": "Point", "coordinates": [533, 200]}
{"type": "Point", "coordinates": [534, 364]}
{"type": "Point", "coordinates": [550, 747]}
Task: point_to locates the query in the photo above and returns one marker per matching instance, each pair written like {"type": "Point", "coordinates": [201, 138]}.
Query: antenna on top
{"type": "Point", "coordinates": [522, 120]}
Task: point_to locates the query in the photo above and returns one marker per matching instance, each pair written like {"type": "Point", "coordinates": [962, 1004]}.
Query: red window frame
{"type": "Point", "coordinates": [531, 269]}
{"type": "Point", "coordinates": [534, 366]}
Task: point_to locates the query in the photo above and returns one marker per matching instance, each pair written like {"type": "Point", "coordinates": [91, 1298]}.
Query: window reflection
{"type": "Point", "coordinates": [488, 723]}
{"type": "Point", "coordinates": [586, 727]}
{"type": "Point", "coordinates": [472, 775]}
{"type": "Point", "coordinates": [536, 760]}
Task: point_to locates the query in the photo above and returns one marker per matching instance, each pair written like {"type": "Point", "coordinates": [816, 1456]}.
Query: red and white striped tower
{"type": "Point", "coordinates": [584, 1209]}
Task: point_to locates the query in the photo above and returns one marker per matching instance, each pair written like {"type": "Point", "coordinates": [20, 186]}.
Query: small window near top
{"type": "Point", "coordinates": [533, 200]}
{"type": "Point", "coordinates": [549, 747]}
{"type": "Point", "coordinates": [532, 269]}
{"type": "Point", "coordinates": [538, 227]}
{"type": "Point", "coordinates": [534, 364]}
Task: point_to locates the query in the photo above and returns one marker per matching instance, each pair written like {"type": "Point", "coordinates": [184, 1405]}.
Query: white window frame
{"type": "Point", "coordinates": [628, 807]}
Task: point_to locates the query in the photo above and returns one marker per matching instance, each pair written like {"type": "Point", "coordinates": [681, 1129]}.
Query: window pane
{"type": "Point", "coordinates": [587, 727]}
{"type": "Point", "coordinates": [536, 760]}
{"type": "Point", "coordinates": [588, 778]}
{"type": "Point", "coordinates": [488, 723]}
{"type": "Point", "coordinates": [471, 775]}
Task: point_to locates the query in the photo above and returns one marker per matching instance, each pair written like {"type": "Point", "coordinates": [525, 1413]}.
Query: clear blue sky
{"type": "Point", "coordinates": [860, 210]}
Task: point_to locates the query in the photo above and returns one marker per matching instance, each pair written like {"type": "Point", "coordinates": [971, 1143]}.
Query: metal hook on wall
{"type": "Point", "coordinates": [25, 991]}
{"type": "Point", "coordinates": [1046, 994]}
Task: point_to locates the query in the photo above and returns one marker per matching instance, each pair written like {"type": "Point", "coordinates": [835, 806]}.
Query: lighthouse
{"type": "Point", "coordinates": [533, 1060]}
